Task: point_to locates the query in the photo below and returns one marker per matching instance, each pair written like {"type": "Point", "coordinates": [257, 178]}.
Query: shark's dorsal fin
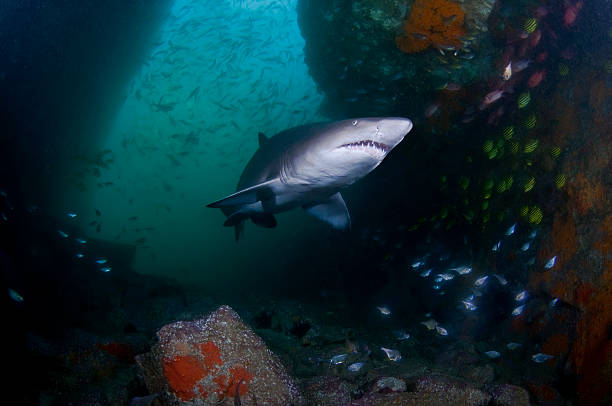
{"type": "Point", "coordinates": [332, 210]}
{"type": "Point", "coordinates": [262, 139]}
{"type": "Point", "coordinates": [252, 194]}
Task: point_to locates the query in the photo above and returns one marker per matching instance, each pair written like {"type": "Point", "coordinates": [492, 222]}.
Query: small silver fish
{"type": "Point", "coordinates": [13, 294]}
{"type": "Point", "coordinates": [554, 302]}
{"type": "Point", "coordinates": [401, 335]}
{"type": "Point", "coordinates": [502, 281]}
{"type": "Point", "coordinates": [518, 310]}
{"type": "Point", "coordinates": [81, 240]}
{"type": "Point", "coordinates": [393, 355]}
{"type": "Point", "coordinates": [384, 310]}
{"type": "Point", "coordinates": [526, 246]}
{"type": "Point", "coordinates": [551, 262]}
{"type": "Point", "coordinates": [356, 366]}
{"type": "Point", "coordinates": [71, 214]}
{"type": "Point", "coordinates": [533, 234]}
{"type": "Point", "coordinates": [106, 269]}
{"type": "Point", "coordinates": [513, 346]}
{"type": "Point", "coordinates": [430, 324]}
{"type": "Point", "coordinates": [62, 234]}
{"type": "Point", "coordinates": [101, 261]}
{"type": "Point", "coordinates": [436, 287]}
{"type": "Point", "coordinates": [438, 279]}
{"type": "Point", "coordinates": [441, 330]}
{"type": "Point", "coordinates": [338, 359]}
{"type": "Point", "coordinates": [521, 296]}
{"type": "Point", "coordinates": [481, 281]}
{"type": "Point", "coordinates": [540, 357]}
{"type": "Point", "coordinates": [492, 354]}
{"type": "Point", "coordinates": [446, 276]}
{"type": "Point", "coordinates": [496, 247]}
{"type": "Point", "coordinates": [426, 273]}
{"type": "Point", "coordinates": [469, 305]}
{"type": "Point", "coordinates": [531, 261]}
{"type": "Point", "coordinates": [418, 264]}
{"type": "Point", "coordinates": [511, 229]}
{"type": "Point", "coordinates": [462, 270]}
{"type": "Point", "coordinates": [79, 255]}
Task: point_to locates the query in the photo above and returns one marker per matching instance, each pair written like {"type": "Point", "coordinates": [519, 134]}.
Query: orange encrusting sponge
{"type": "Point", "coordinates": [437, 23]}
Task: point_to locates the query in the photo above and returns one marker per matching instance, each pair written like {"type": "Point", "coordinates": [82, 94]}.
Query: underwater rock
{"type": "Point", "coordinates": [389, 384]}
{"type": "Point", "coordinates": [327, 390]}
{"type": "Point", "coordinates": [451, 390]}
{"type": "Point", "coordinates": [509, 395]}
{"type": "Point", "coordinates": [213, 359]}
{"type": "Point", "coordinates": [479, 374]}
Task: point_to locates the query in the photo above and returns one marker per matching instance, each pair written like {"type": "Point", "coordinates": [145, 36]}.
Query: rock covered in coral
{"type": "Point", "coordinates": [389, 384]}
{"type": "Point", "coordinates": [328, 390]}
{"type": "Point", "coordinates": [509, 395]}
{"type": "Point", "coordinates": [214, 359]}
{"type": "Point", "coordinates": [451, 390]}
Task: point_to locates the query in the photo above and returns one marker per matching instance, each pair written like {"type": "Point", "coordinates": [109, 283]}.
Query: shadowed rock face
{"type": "Point", "coordinates": [210, 360]}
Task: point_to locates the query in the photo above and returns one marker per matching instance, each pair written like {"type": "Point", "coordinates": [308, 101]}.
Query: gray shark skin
{"type": "Point", "coordinates": [308, 166]}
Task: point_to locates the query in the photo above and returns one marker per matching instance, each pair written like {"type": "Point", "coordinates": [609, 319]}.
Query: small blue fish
{"type": "Point", "coordinates": [338, 359]}
{"type": "Point", "coordinates": [533, 234]}
{"type": "Point", "coordinates": [81, 240]}
{"type": "Point", "coordinates": [356, 366]}
{"type": "Point", "coordinates": [513, 346]}
{"type": "Point", "coordinates": [511, 229]}
{"type": "Point", "coordinates": [71, 214]}
{"type": "Point", "coordinates": [418, 264]}
{"type": "Point", "coordinates": [525, 246]}
{"type": "Point", "coordinates": [492, 354]}
{"type": "Point", "coordinates": [540, 357]}
{"type": "Point", "coordinates": [518, 310]}
{"type": "Point", "coordinates": [79, 255]}
{"type": "Point", "coordinates": [101, 261]}
{"type": "Point", "coordinates": [521, 296]}
{"type": "Point", "coordinates": [106, 269]}
{"type": "Point", "coordinates": [62, 234]}
{"type": "Point", "coordinates": [436, 287]}
{"type": "Point", "coordinates": [551, 262]}
{"type": "Point", "coordinates": [13, 294]}
{"type": "Point", "coordinates": [401, 335]}
{"type": "Point", "coordinates": [502, 281]}
{"type": "Point", "coordinates": [554, 302]}
{"type": "Point", "coordinates": [496, 247]}
{"type": "Point", "coordinates": [426, 273]}
{"type": "Point", "coordinates": [481, 281]}
{"type": "Point", "coordinates": [438, 279]}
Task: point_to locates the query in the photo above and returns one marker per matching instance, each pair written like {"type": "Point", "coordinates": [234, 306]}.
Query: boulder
{"type": "Point", "coordinates": [213, 360]}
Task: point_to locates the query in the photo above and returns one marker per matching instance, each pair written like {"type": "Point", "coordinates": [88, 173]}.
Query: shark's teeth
{"type": "Point", "coordinates": [367, 144]}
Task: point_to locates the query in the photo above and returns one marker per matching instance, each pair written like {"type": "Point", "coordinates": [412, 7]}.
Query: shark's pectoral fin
{"type": "Point", "coordinates": [262, 191]}
{"type": "Point", "coordinates": [332, 210]}
{"type": "Point", "coordinates": [266, 220]}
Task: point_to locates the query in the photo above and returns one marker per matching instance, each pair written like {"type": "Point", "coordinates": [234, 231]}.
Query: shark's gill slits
{"type": "Point", "coordinates": [367, 144]}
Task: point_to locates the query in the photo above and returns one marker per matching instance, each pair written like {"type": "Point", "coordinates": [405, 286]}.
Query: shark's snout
{"type": "Point", "coordinates": [393, 129]}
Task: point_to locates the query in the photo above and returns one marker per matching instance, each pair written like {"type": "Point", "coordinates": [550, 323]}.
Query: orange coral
{"type": "Point", "coordinates": [437, 23]}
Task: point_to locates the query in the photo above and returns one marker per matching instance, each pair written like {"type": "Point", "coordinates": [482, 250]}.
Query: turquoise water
{"type": "Point", "coordinates": [226, 72]}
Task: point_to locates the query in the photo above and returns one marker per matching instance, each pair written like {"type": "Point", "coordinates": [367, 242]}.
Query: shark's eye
{"type": "Point", "coordinates": [354, 122]}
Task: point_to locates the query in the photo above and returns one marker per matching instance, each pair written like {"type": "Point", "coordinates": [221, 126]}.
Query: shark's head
{"type": "Point", "coordinates": [348, 150]}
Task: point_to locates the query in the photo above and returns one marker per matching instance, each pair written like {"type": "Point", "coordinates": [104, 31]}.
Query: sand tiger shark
{"type": "Point", "coordinates": [307, 166]}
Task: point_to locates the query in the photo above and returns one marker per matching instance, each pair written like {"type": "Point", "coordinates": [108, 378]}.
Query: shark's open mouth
{"type": "Point", "coordinates": [366, 144]}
